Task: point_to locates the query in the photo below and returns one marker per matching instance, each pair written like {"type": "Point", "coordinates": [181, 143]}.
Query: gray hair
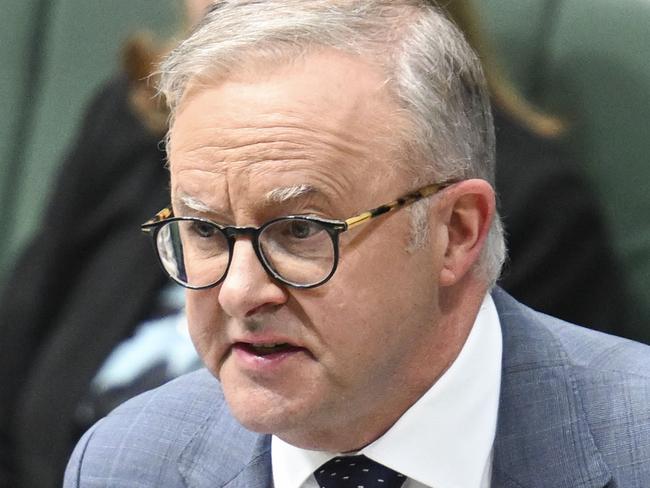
{"type": "Point", "coordinates": [434, 75]}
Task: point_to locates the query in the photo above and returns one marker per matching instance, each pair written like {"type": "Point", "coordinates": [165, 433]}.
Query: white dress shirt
{"type": "Point", "coordinates": [445, 439]}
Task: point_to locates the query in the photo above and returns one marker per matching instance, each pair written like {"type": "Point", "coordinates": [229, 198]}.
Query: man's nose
{"type": "Point", "coordinates": [248, 289]}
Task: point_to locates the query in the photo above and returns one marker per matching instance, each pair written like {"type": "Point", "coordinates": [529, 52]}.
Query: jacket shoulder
{"type": "Point", "coordinates": [597, 353]}
{"type": "Point", "coordinates": [586, 394]}
{"type": "Point", "coordinates": [612, 378]}
{"type": "Point", "coordinates": [145, 441]}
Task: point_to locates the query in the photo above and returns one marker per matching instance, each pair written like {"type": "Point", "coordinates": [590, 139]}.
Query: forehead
{"type": "Point", "coordinates": [326, 120]}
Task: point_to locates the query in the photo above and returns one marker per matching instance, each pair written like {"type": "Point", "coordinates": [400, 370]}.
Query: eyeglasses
{"type": "Point", "coordinates": [298, 250]}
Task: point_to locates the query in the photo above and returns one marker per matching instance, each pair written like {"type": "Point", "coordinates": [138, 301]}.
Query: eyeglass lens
{"type": "Point", "coordinates": [197, 253]}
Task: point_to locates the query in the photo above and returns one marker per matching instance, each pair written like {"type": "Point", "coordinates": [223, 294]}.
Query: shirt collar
{"type": "Point", "coordinates": [445, 439]}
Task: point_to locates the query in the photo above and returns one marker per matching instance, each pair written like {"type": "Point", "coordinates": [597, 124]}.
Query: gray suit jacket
{"type": "Point", "coordinates": [574, 413]}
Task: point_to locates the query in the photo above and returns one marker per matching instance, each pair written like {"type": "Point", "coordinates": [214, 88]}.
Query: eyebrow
{"type": "Point", "coordinates": [276, 196]}
{"type": "Point", "coordinates": [287, 193]}
{"type": "Point", "coordinates": [194, 204]}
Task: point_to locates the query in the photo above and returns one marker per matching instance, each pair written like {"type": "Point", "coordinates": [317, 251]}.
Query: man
{"type": "Point", "coordinates": [350, 347]}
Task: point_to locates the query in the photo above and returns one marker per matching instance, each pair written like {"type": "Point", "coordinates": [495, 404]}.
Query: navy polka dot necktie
{"type": "Point", "coordinates": [357, 472]}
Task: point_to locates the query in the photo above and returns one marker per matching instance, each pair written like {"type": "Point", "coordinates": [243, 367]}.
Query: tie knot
{"type": "Point", "coordinates": [357, 472]}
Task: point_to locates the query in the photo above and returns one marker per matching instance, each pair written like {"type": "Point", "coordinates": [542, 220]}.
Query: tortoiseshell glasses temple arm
{"type": "Point", "coordinates": [164, 214]}
{"type": "Point", "coordinates": [403, 201]}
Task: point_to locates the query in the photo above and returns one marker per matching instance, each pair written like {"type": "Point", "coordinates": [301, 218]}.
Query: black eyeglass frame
{"type": "Point", "coordinates": [333, 227]}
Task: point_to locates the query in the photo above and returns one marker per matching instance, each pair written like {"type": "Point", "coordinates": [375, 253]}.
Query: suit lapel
{"type": "Point", "coordinates": [220, 453]}
{"type": "Point", "coordinates": [257, 473]}
{"type": "Point", "coordinates": [543, 439]}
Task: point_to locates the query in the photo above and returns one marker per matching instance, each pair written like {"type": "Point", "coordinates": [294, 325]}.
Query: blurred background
{"type": "Point", "coordinates": [86, 312]}
{"type": "Point", "coordinates": [54, 55]}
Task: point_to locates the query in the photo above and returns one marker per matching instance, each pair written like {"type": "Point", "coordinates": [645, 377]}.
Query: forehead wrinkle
{"type": "Point", "coordinates": [299, 144]}
{"type": "Point", "coordinates": [287, 129]}
{"type": "Point", "coordinates": [261, 159]}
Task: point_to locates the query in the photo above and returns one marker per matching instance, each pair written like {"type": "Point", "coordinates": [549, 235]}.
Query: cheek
{"type": "Point", "coordinates": [353, 323]}
{"type": "Point", "coordinates": [387, 291]}
{"type": "Point", "coordinates": [389, 278]}
{"type": "Point", "coordinates": [204, 323]}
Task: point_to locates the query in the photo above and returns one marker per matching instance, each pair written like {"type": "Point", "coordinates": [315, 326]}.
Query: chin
{"type": "Point", "coordinates": [295, 421]}
{"type": "Point", "coordinates": [258, 413]}
{"type": "Point", "coordinates": [256, 407]}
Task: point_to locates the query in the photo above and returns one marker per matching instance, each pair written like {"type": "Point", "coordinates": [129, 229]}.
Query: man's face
{"type": "Point", "coordinates": [312, 137]}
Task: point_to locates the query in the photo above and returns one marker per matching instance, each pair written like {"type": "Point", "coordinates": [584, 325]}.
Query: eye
{"type": "Point", "coordinates": [203, 229]}
{"type": "Point", "coordinates": [302, 229]}
{"type": "Point", "coordinates": [290, 233]}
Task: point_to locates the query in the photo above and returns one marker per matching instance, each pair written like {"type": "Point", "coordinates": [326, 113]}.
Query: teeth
{"type": "Point", "coordinates": [270, 345]}
{"type": "Point", "coordinates": [263, 349]}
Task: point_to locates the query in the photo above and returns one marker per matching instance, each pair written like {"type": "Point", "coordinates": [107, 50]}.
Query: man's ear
{"type": "Point", "coordinates": [465, 213]}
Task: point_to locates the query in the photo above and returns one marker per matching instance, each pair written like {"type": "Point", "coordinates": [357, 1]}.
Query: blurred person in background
{"type": "Point", "coordinates": [548, 208]}
{"type": "Point", "coordinates": [90, 320]}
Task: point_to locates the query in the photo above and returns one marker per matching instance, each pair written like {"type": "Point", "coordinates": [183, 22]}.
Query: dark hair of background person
{"type": "Point", "coordinates": [560, 254]}
{"type": "Point", "coordinates": [86, 279]}
{"type": "Point", "coordinates": [77, 294]}
{"type": "Point", "coordinates": [505, 96]}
